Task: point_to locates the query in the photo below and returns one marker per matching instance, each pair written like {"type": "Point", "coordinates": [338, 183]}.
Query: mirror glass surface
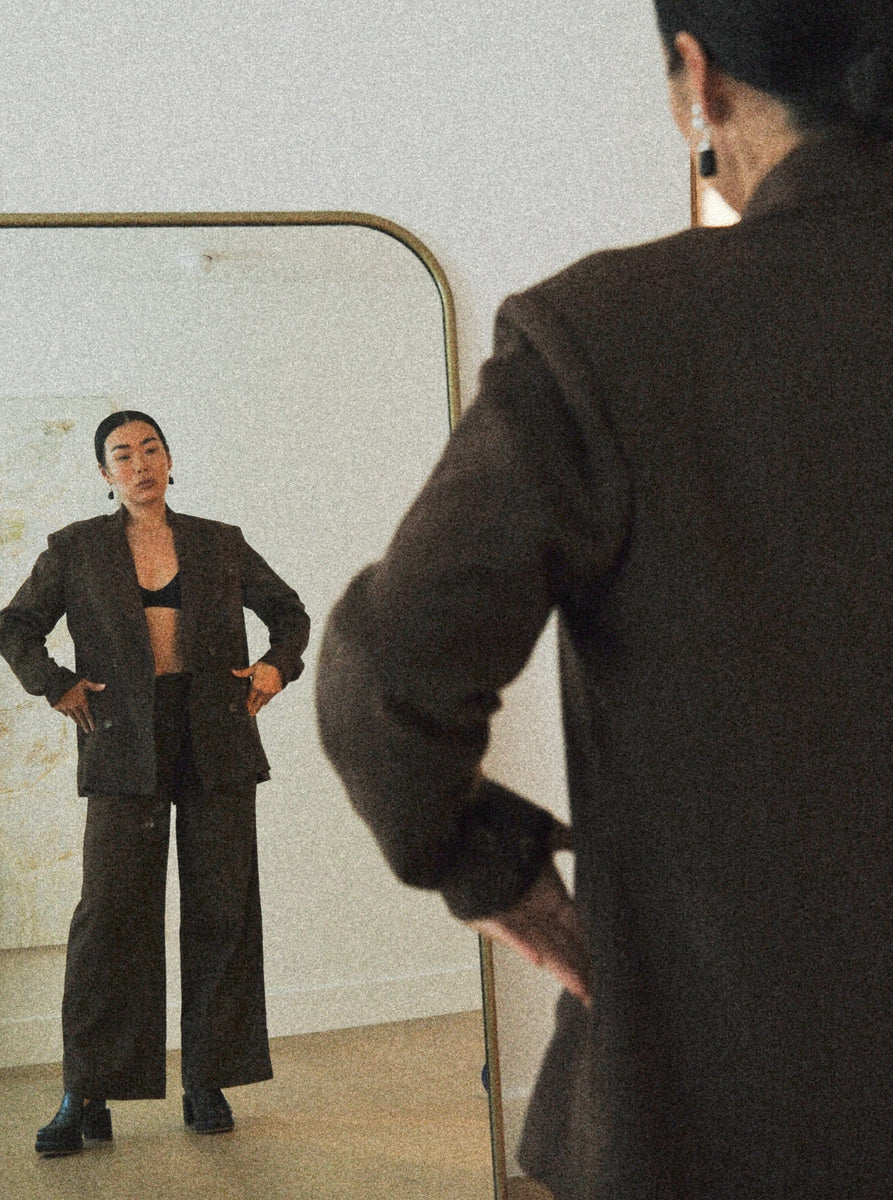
{"type": "Point", "coordinates": [302, 370]}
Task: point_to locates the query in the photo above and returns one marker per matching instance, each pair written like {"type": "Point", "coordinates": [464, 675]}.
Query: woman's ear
{"type": "Point", "coordinates": [706, 84]}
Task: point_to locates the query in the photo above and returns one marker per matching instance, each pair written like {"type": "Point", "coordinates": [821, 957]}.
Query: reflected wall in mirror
{"type": "Point", "coordinates": [303, 370]}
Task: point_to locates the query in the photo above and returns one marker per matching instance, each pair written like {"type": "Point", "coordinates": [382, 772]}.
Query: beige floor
{"type": "Point", "coordinates": [353, 1115]}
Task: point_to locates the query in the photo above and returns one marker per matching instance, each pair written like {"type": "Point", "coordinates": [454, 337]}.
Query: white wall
{"type": "Point", "coordinates": [510, 137]}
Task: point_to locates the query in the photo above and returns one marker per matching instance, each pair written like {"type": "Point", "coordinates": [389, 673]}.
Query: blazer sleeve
{"type": "Point", "coordinates": [419, 648]}
{"type": "Point", "coordinates": [27, 621]}
{"type": "Point", "coordinates": [279, 607]}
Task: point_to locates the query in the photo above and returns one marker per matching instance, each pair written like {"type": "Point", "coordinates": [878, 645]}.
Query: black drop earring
{"type": "Point", "coordinates": [707, 163]}
{"type": "Point", "coordinates": [111, 494]}
{"type": "Point", "coordinates": [705, 151]}
{"type": "Point", "coordinates": [170, 479]}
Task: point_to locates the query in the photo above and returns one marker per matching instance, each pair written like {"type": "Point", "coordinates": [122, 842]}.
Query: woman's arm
{"type": "Point", "coordinates": [418, 650]}
{"type": "Point", "coordinates": [26, 622]}
{"type": "Point", "coordinates": [279, 607]}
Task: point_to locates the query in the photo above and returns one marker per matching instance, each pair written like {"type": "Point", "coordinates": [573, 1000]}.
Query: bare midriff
{"type": "Point", "coordinates": [155, 559]}
{"type": "Point", "coordinates": [164, 624]}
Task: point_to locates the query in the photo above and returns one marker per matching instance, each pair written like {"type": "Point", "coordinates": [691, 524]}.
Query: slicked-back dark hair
{"type": "Point", "coordinates": [109, 424]}
{"type": "Point", "coordinates": [829, 61]}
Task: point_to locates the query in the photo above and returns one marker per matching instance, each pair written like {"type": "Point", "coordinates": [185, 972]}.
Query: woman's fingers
{"type": "Point", "coordinates": [266, 682]}
{"type": "Point", "coordinates": [75, 703]}
{"type": "Point", "coordinates": [545, 928]}
{"type": "Point", "coordinates": [257, 699]}
{"type": "Point", "coordinates": [82, 715]}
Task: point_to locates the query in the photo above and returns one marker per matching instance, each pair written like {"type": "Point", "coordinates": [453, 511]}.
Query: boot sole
{"type": "Point", "coordinates": [52, 1152]}
{"type": "Point", "coordinates": [97, 1127]}
{"type": "Point", "coordinates": [201, 1126]}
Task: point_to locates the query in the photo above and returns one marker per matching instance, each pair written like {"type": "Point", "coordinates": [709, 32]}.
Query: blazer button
{"type": "Point", "coordinates": [234, 708]}
{"type": "Point", "coordinates": [107, 723]}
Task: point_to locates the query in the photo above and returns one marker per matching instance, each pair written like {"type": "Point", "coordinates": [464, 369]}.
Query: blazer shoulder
{"type": "Point", "coordinates": [672, 264]}
{"type": "Point", "coordinates": [205, 527]}
{"type": "Point", "coordinates": [80, 532]}
{"type": "Point", "coordinates": [615, 304]}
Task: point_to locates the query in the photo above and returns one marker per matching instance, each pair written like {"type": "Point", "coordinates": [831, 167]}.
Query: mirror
{"type": "Point", "coordinates": [303, 367]}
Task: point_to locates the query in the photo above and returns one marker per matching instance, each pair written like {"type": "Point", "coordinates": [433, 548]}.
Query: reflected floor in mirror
{"type": "Point", "coordinates": [375, 1113]}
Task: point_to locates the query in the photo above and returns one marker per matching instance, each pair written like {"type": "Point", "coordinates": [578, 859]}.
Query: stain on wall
{"type": "Point", "coordinates": [48, 480]}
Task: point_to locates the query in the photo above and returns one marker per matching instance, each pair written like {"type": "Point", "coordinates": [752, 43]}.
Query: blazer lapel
{"type": "Point", "coordinates": [193, 580]}
{"type": "Point", "coordinates": [113, 565]}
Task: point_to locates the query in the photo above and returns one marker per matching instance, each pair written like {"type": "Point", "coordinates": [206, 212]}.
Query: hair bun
{"type": "Point", "coordinates": [869, 88]}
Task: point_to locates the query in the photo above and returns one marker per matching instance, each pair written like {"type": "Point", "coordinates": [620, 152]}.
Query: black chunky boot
{"type": "Point", "coordinates": [206, 1111]}
{"type": "Point", "coordinates": [74, 1121]}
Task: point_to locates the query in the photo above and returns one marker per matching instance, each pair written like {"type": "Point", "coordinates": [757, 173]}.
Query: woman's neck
{"type": "Point", "coordinates": [146, 517]}
{"type": "Point", "coordinates": [750, 145]}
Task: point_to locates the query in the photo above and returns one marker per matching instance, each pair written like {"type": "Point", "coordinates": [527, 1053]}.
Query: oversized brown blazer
{"type": "Point", "coordinates": [686, 449]}
{"type": "Point", "coordinates": [87, 573]}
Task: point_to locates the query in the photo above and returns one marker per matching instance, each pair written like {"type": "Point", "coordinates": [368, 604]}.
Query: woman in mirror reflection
{"type": "Point", "coordinates": [685, 449]}
{"type": "Point", "coordinates": [165, 701]}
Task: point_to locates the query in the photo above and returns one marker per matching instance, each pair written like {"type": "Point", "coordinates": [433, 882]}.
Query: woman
{"type": "Point", "coordinates": [165, 704]}
{"type": "Point", "coordinates": [684, 448]}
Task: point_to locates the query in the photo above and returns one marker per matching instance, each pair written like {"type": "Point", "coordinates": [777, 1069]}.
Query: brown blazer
{"type": "Point", "coordinates": [87, 573]}
{"type": "Point", "coordinates": [686, 449]}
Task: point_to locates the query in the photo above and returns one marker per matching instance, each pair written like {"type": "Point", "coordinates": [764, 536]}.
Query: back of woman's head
{"type": "Point", "coordinates": [114, 421]}
{"type": "Point", "coordinates": [829, 63]}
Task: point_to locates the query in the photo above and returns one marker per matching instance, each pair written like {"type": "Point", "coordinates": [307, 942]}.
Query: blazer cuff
{"type": "Point", "coordinates": [59, 685]}
{"type": "Point", "coordinates": [286, 664]}
{"type": "Point", "coordinates": [505, 843]}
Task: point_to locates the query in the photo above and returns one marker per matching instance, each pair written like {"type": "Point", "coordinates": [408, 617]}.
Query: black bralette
{"type": "Point", "coordinates": [169, 596]}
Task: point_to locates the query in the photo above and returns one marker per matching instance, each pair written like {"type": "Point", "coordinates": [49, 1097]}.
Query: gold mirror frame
{"type": "Point", "coordinates": [494, 1079]}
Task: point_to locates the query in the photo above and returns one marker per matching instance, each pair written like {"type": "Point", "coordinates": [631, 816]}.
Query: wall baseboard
{"type": "Point", "coordinates": [38, 1039]}
{"type": "Point", "coordinates": [347, 1005]}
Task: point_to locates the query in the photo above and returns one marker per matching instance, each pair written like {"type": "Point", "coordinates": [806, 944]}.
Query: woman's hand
{"type": "Point", "coordinates": [545, 927]}
{"type": "Point", "coordinates": [75, 703]}
{"type": "Point", "coordinates": [265, 683]}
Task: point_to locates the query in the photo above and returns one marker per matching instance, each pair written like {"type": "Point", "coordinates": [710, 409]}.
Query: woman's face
{"type": "Point", "coordinates": [136, 463]}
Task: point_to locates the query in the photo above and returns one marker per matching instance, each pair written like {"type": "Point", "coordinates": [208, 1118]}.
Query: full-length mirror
{"type": "Point", "coordinates": [302, 368]}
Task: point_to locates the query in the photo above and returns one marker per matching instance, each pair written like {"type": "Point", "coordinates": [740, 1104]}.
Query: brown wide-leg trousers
{"type": "Point", "coordinates": [113, 1010]}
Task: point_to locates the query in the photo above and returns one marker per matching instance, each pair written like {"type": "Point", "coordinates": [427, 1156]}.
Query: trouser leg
{"type": "Point", "coordinates": [223, 1021]}
{"type": "Point", "coordinates": [113, 1009]}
